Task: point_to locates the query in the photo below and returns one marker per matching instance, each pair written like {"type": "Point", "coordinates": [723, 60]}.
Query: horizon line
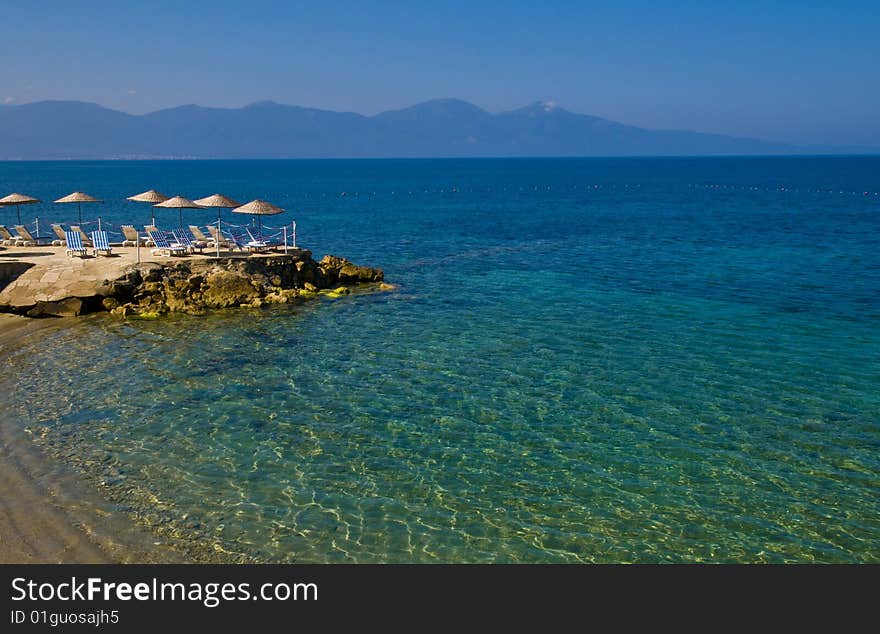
{"type": "Point", "coordinates": [610, 157]}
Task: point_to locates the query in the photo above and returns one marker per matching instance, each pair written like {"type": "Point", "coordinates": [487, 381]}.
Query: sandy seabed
{"type": "Point", "coordinates": [47, 514]}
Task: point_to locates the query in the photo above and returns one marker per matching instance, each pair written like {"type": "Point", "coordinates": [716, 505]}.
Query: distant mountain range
{"type": "Point", "coordinates": [437, 128]}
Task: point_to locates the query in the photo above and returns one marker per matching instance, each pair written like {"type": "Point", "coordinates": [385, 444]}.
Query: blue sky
{"type": "Point", "coordinates": [803, 72]}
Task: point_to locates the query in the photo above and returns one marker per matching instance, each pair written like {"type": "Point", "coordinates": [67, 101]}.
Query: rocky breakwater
{"type": "Point", "coordinates": [195, 285]}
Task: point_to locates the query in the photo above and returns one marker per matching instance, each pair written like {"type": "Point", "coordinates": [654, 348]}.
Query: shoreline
{"type": "Point", "coordinates": [54, 516]}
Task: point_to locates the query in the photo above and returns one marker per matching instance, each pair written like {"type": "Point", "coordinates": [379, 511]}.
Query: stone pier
{"type": "Point", "coordinates": [44, 281]}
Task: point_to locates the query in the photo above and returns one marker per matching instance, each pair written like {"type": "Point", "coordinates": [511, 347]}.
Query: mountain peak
{"type": "Point", "coordinates": [540, 109]}
{"type": "Point", "coordinates": [265, 103]}
{"type": "Point", "coordinates": [442, 107]}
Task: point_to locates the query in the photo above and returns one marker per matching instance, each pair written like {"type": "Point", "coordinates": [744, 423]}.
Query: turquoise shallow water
{"type": "Point", "coordinates": [587, 360]}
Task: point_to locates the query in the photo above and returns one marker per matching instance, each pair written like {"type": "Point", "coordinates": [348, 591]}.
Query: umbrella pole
{"type": "Point", "coordinates": [80, 209]}
{"type": "Point", "coordinates": [219, 232]}
{"type": "Point", "coordinates": [18, 208]}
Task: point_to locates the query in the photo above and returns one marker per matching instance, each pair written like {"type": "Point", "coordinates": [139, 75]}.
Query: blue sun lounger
{"type": "Point", "coordinates": [264, 243]}
{"type": "Point", "coordinates": [101, 242]}
{"type": "Point", "coordinates": [74, 244]}
{"type": "Point", "coordinates": [248, 243]}
{"type": "Point", "coordinates": [187, 239]}
{"type": "Point", "coordinates": [158, 238]}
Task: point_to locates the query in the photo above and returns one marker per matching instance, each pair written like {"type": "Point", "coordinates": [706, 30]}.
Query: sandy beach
{"type": "Point", "coordinates": [46, 514]}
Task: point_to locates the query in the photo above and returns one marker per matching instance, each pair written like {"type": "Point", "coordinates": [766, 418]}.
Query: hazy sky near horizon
{"type": "Point", "coordinates": [802, 72]}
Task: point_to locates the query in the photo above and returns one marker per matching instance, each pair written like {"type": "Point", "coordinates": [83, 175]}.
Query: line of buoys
{"type": "Point", "coordinates": [782, 189]}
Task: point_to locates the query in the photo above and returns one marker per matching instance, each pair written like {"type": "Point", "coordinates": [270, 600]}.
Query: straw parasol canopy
{"type": "Point", "coordinates": [220, 202]}
{"type": "Point", "coordinates": [217, 200]}
{"type": "Point", "coordinates": [18, 200]}
{"type": "Point", "coordinates": [259, 208]}
{"type": "Point", "coordinates": [79, 198]}
{"type": "Point", "coordinates": [150, 196]}
{"type": "Point", "coordinates": [179, 203]}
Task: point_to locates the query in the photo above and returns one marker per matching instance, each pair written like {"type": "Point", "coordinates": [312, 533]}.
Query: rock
{"type": "Point", "coordinates": [332, 262]}
{"type": "Point", "coordinates": [226, 288]}
{"type": "Point", "coordinates": [177, 304]}
{"type": "Point", "coordinates": [385, 287]}
{"type": "Point", "coordinates": [70, 307]}
{"type": "Point", "coordinates": [353, 274]}
{"type": "Point", "coordinates": [336, 292]}
{"type": "Point", "coordinates": [341, 270]}
{"type": "Point", "coordinates": [259, 280]}
{"type": "Point", "coordinates": [275, 298]}
{"type": "Point", "coordinates": [110, 303]}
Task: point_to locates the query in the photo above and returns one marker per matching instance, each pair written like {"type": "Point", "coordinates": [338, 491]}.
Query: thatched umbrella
{"type": "Point", "coordinates": [220, 202]}
{"type": "Point", "coordinates": [18, 200]}
{"type": "Point", "coordinates": [179, 203]}
{"type": "Point", "coordinates": [259, 208]}
{"type": "Point", "coordinates": [79, 198]}
{"type": "Point", "coordinates": [150, 196]}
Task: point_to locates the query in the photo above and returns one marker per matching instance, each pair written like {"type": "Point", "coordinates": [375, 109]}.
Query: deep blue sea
{"type": "Point", "coordinates": [608, 360]}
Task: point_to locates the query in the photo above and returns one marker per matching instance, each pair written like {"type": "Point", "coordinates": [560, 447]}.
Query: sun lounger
{"type": "Point", "coordinates": [7, 239]}
{"type": "Point", "coordinates": [259, 245]}
{"type": "Point", "coordinates": [148, 229]}
{"type": "Point", "coordinates": [74, 244]}
{"type": "Point", "coordinates": [200, 236]}
{"type": "Point", "coordinates": [101, 242]}
{"type": "Point", "coordinates": [62, 239]}
{"type": "Point", "coordinates": [84, 239]}
{"type": "Point", "coordinates": [185, 238]}
{"type": "Point", "coordinates": [132, 237]}
{"type": "Point", "coordinates": [248, 243]}
{"type": "Point", "coordinates": [162, 245]}
{"type": "Point", "coordinates": [219, 238]}
{"type": "Point", "coordinates": [25, 235]}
